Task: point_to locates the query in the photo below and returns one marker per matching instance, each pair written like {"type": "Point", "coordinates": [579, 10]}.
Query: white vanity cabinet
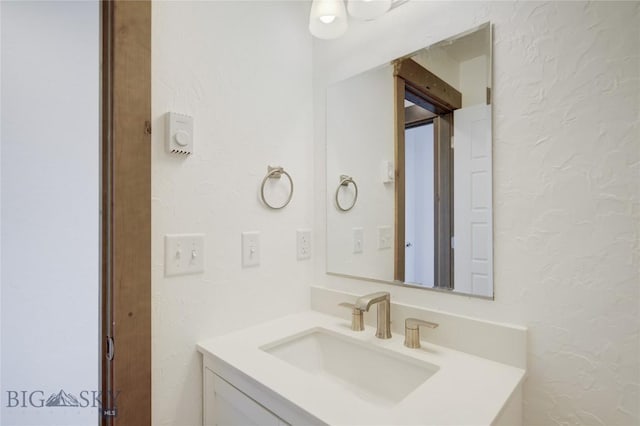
{"type": "Point", "coordinates": [312, 369]}
{"type": "Point", "coordinates": [227, 405]}
{"type": "Point", "coordinates": [232, 398]}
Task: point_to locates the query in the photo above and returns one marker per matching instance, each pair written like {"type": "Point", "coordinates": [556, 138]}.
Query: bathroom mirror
{"type": "Point", "coordinates": [409, 169]}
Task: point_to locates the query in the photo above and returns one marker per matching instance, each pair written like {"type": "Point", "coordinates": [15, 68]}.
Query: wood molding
{"type": "Point", "coordinates": [445, 98]}
{"type": "Point", "coordinates": [415, 115]}
{"type": "Point", "coordinates": [399, 120]}
{"type": "Point", "coordinates": [443, 206]}
{"type": "Point", "coordinates": [127, 209]}
{"type": "Point", "coordinates": [106, 377]}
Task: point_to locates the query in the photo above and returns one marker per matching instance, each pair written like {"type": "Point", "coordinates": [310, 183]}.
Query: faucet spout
{"type": "Point", "coordinates": [364, 303]}
{"type": "Point", "coordinates": [383, 300]}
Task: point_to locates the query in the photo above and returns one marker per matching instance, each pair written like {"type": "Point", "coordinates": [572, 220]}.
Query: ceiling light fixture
{"type": "Point", "coordinates": [328, 19]}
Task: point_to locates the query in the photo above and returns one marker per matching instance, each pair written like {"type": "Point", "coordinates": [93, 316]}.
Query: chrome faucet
{"type": "Point", "coordinates": [383, 300]}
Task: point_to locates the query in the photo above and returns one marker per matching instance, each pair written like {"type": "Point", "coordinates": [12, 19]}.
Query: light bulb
{"type": "Point", "coordinates": [328, 18]}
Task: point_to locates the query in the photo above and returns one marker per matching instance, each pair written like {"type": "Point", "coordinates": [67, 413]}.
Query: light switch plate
{"type": "Point", "coordinates": [183, 254]}
{"type": "Point", "coordinates": [250, 249]}
{"type": "Point", "coordinates": [303, 245]}
{"type": "Point", "coordinates": [358, 240]}
{"type": "Point", "coordinates": [384, 237]}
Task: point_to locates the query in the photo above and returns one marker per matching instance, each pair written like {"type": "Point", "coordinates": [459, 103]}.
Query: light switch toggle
{"type": "Point", "coordinates": [358, 237]}
{"type": "Point", "coordinates": [250, 249]}
{"type": "Point", "coordinates": [303, 237]}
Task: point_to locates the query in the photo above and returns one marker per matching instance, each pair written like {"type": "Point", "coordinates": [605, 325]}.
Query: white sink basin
{"type": "Point", "coordinates": [371, 373]}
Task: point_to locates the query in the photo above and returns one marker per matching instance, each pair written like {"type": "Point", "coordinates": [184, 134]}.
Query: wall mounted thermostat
{"type": "Point", "coordinates": [179, 135]}
{"type": "Point", "coordinates": [387, 172]}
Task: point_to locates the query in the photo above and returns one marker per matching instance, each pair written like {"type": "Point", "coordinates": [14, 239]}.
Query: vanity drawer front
{"type": "Point", "coordinates": [232, 407]}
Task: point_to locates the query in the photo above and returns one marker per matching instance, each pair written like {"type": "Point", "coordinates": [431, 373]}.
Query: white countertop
{"type": "Point", "coordinates": [466, 390]}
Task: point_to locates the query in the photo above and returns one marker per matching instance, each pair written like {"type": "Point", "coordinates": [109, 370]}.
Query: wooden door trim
{"type": "Point", "coordinates": [126, 135]}
{"type": "Point", "coordinates": [106, 377]}
{"type": "Point", "coordinates": [443, 206]}
{"type": "Point", "coordinates": [424, 83]}
{"type": "Point", "coordinates": [399, 153]}
{"type": "Point", "coordinates": [433, 94]}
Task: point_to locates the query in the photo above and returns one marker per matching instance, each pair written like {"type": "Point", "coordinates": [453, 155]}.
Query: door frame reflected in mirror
{"type": "Point", "coordinates": [430, 93]}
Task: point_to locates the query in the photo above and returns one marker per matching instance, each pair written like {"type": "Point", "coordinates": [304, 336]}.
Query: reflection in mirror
{"type": "Point", "coordinates": [416, 136]}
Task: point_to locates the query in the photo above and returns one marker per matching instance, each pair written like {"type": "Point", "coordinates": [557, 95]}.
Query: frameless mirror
{"type": "Point", "coordinates": [409, 169]}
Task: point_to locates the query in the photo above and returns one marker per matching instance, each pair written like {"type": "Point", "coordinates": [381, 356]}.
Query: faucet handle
{"type": "Point", "coordinates": [412, 331]}
{"type": "Point", "coordinates": [357, 322]}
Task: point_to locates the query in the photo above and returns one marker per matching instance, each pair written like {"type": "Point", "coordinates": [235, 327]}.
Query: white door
{"type": "Point", "coordinates": [473, 223]}
{"type": "Point", "coordinates": [50, 213]}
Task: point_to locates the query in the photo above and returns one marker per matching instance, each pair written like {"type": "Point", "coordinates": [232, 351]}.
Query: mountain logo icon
{"type": "Point", "coordinates": [62, 399]}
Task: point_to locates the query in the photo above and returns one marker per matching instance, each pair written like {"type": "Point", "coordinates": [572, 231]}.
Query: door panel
{"type": "Point", "coordinates": [473, 201]}
{"type": "Point", "coordinates": [50, 218]}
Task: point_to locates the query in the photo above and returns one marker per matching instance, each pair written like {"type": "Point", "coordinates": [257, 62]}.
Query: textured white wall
{"type": "Point", "coordinates": [243, 70]}
{"type": "Point", "coordinates": [566, 189]}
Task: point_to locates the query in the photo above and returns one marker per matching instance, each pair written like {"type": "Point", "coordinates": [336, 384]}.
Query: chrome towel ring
{"type": "Point", "coordinates": [276, 173]}
{"type": "Point", "coordinates": [345, 181]}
